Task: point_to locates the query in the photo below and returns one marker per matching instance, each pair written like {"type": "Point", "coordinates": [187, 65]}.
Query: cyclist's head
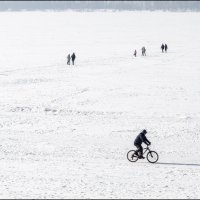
{"type": "Point", "coordinates": [144, 131]}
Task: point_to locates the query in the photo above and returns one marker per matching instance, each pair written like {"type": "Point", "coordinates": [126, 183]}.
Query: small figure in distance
{"type": "Point", "coordinates": [166, 47]}
{"type": "Point", "coordinates": [143, 51]}
{"type": "Point", "coordinates": [73, 57]}
{"type": "Point", "coordinates": [138, 143]}
{"type": "Point", "coordinates": [162, 47]}
{"type": "Point", "coordinates": [135, 53]}
{"type": "Point", "coordinates": [68, 59]}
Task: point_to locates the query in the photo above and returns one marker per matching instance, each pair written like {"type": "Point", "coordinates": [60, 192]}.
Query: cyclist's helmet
{"type": "Point", "coordinates": [144, 131]}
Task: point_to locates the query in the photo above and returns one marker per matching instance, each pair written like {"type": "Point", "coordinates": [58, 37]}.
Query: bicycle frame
{"type": "Point", "coordinates": [146, 149]}
{"type": "Point", "coordinates": [151, 156]}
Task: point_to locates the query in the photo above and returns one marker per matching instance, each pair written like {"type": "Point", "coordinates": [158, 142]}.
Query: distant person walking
{"type": "Point", "coordinates": [135, 53]}
{"type": "Point", "coordinates": [162, 47]}
{"type": "Point", "coordinates": [68, 59]}
{"type": "Point", "coordinates": [143, 51]}
{"type": "Point", "coordinates": [166, 47]}
{"type": "Point", "coordinates": [73, 57]}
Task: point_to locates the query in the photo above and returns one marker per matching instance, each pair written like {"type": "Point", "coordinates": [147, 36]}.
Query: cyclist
{"type": "Point", "coordinates": [138, 143]}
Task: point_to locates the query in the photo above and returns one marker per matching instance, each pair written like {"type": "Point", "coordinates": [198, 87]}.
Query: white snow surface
{"type": "Point", "coordinates": [65, 130]}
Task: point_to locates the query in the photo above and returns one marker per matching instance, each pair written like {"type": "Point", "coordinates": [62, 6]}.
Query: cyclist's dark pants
{"type": "Point", "coordinates": [139, 149]}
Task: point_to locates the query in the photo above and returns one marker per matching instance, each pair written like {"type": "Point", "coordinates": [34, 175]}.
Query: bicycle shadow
{"type": "Point", "coordinates": [183, 164]}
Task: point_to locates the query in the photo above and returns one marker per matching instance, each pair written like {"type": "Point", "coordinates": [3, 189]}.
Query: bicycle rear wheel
{"type": "Point", "coordinates": [131, 156]}
{"type": "Point", "coordinates": [152, 157]}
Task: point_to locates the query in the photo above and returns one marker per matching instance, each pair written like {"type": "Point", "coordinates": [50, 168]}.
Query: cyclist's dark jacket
{"type": "Point", "coordinates": [141, 138]}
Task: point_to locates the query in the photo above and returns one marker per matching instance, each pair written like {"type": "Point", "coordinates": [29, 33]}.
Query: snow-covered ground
{"type": "Point", "coordinates": [65, 130]}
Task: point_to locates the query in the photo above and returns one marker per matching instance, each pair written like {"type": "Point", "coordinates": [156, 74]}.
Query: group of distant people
{"type": "Point", "coordinates": [143, 52]}
{"type": "Point", "coordinates": [69, 58]}
{"type": "Point", "coordinates": [164, 47]}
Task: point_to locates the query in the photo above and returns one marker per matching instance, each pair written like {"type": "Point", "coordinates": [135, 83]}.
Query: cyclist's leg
{"type": "Point", "coordinates": [140, 149]}
{"type": "Point", "coordinates": [136, 151]}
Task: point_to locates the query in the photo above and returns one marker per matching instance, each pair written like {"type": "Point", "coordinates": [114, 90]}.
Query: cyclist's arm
{"type": "Point", "coordinates": [146, 141]}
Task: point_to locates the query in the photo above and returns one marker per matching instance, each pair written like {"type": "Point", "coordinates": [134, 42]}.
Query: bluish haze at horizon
{"type": "Point", "coordinates": [93, 5]}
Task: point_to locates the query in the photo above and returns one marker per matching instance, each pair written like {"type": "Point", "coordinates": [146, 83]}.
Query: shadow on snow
{"type": "Point", "coordinates": [185, 164]}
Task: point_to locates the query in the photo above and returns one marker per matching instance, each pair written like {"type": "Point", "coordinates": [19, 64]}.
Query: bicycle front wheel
{"type": "Point", "coordinates": [131, 156]}
{"type": "Point", "coordinates": [152, 157]}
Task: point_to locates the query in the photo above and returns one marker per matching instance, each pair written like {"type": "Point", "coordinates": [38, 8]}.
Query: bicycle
{"type": "Point", "coordinates": [151, 156]}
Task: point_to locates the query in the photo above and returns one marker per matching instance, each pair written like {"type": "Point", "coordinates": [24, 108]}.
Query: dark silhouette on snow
{"type": "Point", "coordinates": [166, 47]}
{"type": "Point", "coordinates": [68, 59]}
{"type": "Point", "coordinates": [143, 51]}
{"type": "Point", "coordinates": [138, 143]}
{"type": "Point", "coordinates": [73, 57]}
{"type": "Point", "coordinates": [135, 53]}
{"type": "Point", "coordinates": [162, 47]}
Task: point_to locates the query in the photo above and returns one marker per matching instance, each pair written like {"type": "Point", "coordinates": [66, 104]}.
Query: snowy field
{"type": "Point", "coordinates": [65, 130]}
